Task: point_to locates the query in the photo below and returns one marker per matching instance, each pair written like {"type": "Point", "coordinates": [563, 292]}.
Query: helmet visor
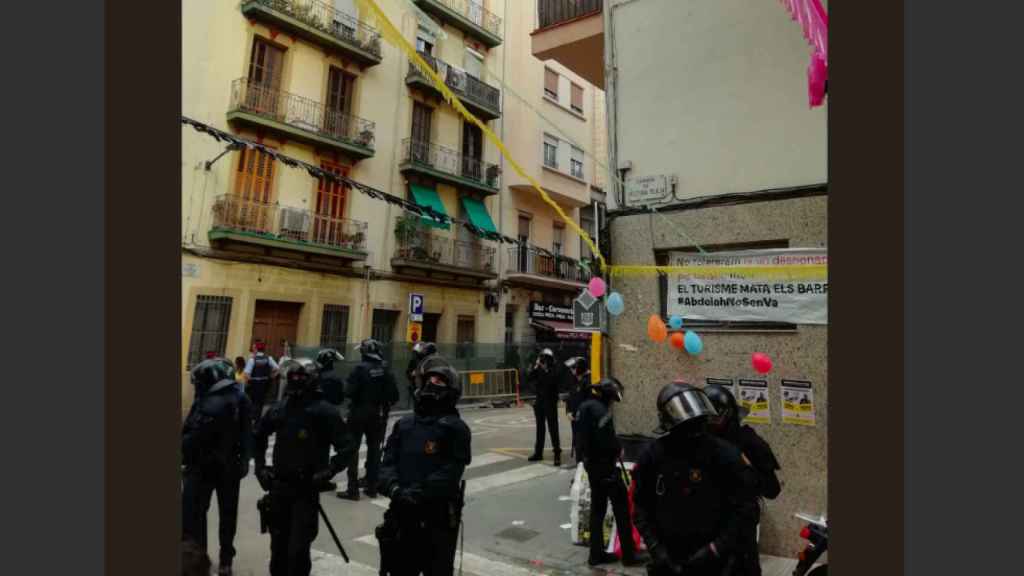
{"type": "Point", "coordinates": [690, 404]}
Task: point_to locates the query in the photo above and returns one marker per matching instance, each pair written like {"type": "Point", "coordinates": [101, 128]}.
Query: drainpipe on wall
{"type": "Point", "coordinates": [611, 120]}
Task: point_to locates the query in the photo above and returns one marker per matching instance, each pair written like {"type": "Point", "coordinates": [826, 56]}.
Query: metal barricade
{"type": "Point", "coordinates": [499, 387]}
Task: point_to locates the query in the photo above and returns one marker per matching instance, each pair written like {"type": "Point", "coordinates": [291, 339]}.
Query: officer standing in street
{"type": "Point", "coordinates": [306, 426]}
{"type": "Point", "coordinates": [424, 460]}
{"type": "Point", "coordinates": [579, 391]}
{"type": "Point", "coordinates": [371, 391]}
{"type": "Point", "coordinates": [695, 499]}
{"type": "Point", "coordinates": [420, 352]}
{"type": "Point", "coordinates": [599, 449]}
{"type": "Point", "coordinates": [726, 425]}
{"type": "Point", "coordinates": [260, 369]}
{"type": "Point", "coordinates": [545, 379]}
{"type": "Point", "coordinates": [216, 444]}
{"type": "Point", "coordinates": [330, 383]}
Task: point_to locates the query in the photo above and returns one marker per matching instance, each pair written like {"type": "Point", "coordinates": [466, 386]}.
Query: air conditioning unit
{"type": "Point", "coordinates": [294, 223]}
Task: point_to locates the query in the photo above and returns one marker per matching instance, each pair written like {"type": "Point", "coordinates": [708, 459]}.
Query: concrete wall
{"type": "Point", "coordinates": [800, 355]}
{"type": "Point", "coordinates": [715, 91]}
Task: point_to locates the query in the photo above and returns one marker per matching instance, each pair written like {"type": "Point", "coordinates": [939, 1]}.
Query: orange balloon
{"type": "Point", "coordinates": [677, 340]}
{"type": "Point", "coordinates": [656, 329]}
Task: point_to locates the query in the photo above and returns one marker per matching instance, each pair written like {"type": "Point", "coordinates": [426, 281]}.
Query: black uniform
{"type": "Point", "coordinates": [259, 383]}
{"type": "Point", "coordinates": [692, 493]}
{"type": "Point", "coordinates": [578, 392]}
{"type": "Point", "coordinates": [598, 448]}
{"type": "Point", "coordinates": [306, 426]}
{"type": "Point", "coordinates": [372, 391]}
{"type": "Point", "coordinates": [763, 461]}
{"type": "Point", "coordinates": [425, 458]}
{"type": "Point", "coordinates": [545, 408]}
{"type": "Point", "coordinates": [216, 444]}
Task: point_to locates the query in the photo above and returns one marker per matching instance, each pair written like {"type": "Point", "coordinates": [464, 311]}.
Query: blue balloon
{"type": "Point", "coordinates": [675, 322]}
{"type": "Point", "coordinates": [615, 304]}
{"type": "Point", "coordinates": [693, 343]}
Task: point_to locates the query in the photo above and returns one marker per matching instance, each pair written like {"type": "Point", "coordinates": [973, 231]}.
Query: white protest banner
{"type": "Point", "coordinates": [781, 285]}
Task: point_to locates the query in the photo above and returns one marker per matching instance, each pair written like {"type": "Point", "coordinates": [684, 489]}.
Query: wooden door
{"type": "Point", "coordinates": [420, 145]}
{"type": "Point", "coordinates": [277, 324]}
{"type": "Point", "coordinates": [328, 223]}
{"type": "Point", "coordinates": [472, 151]}
{"type": "Point", "coordinates": [263, 89]}
{"type": "Point", "coordinates": [251, 208]}
{"type": "Point", "coordinates": [337, 119]}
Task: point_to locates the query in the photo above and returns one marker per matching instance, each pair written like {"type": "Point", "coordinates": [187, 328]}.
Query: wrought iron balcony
{"type": "Point", "coordinates": [421, 248]}
{"type": "Point", "coordinates": [320, 23]}
{"type": "Point", "coordinates": [301, 118]}
{"type": "Point", "coordinates": [480, 98]}
{"type": "Point", "coordinates": [238, 219]}
{"type": "Point", "coordinates": [555, 12]}
{"type": "Point", "coordinates": [467, 15]}
{"type": "Point", "coordinates": [449, 166]}
{"type": "Point", "coordinates": [535, 266]}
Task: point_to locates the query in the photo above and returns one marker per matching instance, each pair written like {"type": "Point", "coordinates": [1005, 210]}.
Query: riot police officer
{"type": "Point", "coordinates": [696, 496]}
{"type": "Point", "coordinates": [425, 457]}
{"type": "Point", "coordinates": [420, 352]}
{"type": "Point", "coordinates": [332, 386]}
{"type": "Point", "coordinates": [216, 447]}
{"type": "Point", "coordinates": [260, 369]}
{"type": "Point", "coordinates": [579, 390]}
{"type": "Point", "coordinates": [306, 426]}
{"type": "Point", "coordinates": [599, 449]}
{"type": "Point", "coordinates": [727, 425]}
{"type": "Point", "coordinates": [372, 391]}
{"type": "Point", "coordinates": [545, 379]}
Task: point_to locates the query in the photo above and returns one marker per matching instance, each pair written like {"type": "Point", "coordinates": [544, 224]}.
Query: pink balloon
{"type": "Point", "coordinates": [596, 286]}
{"type": "Point", "coordinates": [762, 363]}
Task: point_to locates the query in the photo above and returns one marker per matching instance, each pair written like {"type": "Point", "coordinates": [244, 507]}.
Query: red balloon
{"type": "Point", "coordinates": [677, 340]}
{"type": "Point", "coordinates": [762, 363]}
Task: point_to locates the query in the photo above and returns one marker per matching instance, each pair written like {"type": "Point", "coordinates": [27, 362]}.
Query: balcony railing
{"type": "Point", "coordinates": [302, 113]}
{"type": "Point", "coordinates": [450, 162]}
{"type": "Point", "coordinates": [295, 225]}
{"type": "Point", "coordinates": [326, 19]}
{"type": "Point", "coordinates": [552, 12]}
{"type": "Point", "coordinates": [427, 247]}
{"type": "Point", "coordinates": [475, 13]}
{"type": "Point", "coordinates": [465, 85]}
{"type": "Point", "coordinates": [523, 260]}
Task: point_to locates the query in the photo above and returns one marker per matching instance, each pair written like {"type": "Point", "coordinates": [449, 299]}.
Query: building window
{"type": "Point", "coordinates": [383, 329]}
{"type": "Point", "coordinates": [550, 151]}
{"type": "Point", "coordinates": [551, 83]}
{"type": "Point", "coordinates": [577, 98]}
{"type": "Point", "coordinates": [474, 63]}
{"type": "Point", "coordinates": [558, 240]}
{"type": "Point", "coordinates": [334, 329]}
{"type": "Point", "coordinates": [209, 328]}
{"type": "Point", "coordinates": [576, 162]}
{"type": "Point", "coordinates": [465, 335]}
{"type": "Point", "coordinates": [425, 41]}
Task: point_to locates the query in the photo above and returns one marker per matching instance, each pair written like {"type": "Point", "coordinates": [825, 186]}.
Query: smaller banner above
{"type": "Point", "coordinates": [744, 296]}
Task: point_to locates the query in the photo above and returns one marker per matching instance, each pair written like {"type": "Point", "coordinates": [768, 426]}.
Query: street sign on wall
{"type": "Point", "coordinates": [647, 190]}
{"type": "Point", "coordinates": [587, 313]}
{"type": "Point", "coordinates": [416, 307]}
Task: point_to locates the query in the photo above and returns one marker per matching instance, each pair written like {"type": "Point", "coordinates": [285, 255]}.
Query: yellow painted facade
{"type": "Point", "coordinates": [217, 46]}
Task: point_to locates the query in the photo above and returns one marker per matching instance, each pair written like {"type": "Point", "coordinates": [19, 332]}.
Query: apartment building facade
{"type": "Point", "coordinates": [271, 253]}
{"type": "Point", "coordinates": [710, 96]}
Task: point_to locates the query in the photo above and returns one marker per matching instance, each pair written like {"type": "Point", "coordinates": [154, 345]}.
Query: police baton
{"type": "Point", "coordinates": [333, 534]}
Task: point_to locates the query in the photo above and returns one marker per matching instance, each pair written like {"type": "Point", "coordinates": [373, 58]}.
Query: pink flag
{"type": "Point", "coordinates": [814, 21]}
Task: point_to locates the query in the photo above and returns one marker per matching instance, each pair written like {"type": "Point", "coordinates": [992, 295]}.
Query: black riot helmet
{"type": "Point", "coordinates": [609, 389]}
{"type": "Point", "coordinates": [546, 358]}
{"type": "Point", "coordinates": [440, 387]}
{"type": "Point", "coordinates": [577, 365]}
{"type": "Point", "coordinates": [327, 357]}
{"type": "Point", "coordinates": [370, 349]}
{"type": "Point", "coordinates": [729, 412]}
{"type": "Point", "coordinates": [683, 409]}
{"type": "Point", "coordinates": [300, 374]}
{"type": "Point", "coordinates": [424, 349]}
{"type": "Point", "coordinates": [210, 372]}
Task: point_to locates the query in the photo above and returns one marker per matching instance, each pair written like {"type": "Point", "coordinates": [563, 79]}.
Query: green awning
{"type": "Point", "coordinates": [478, 214]}
{"type": "Point", "coordinates": [428, 197]}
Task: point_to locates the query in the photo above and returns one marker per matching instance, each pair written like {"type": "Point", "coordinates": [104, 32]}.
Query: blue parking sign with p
{"type": "Point", "coordinates": [416, 307]}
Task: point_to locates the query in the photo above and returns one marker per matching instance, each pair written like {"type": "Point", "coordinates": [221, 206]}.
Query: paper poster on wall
{"type": "Point", "coordinates": [754, 397]}
{"type": "Point", "coordinates": [797, 402]}
{"type": "Point", "coordinates": [726, 382]}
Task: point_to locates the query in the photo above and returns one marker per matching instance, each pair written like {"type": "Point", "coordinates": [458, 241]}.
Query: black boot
{"type": "Point", "coordinates": [604, 558]}
{"type": "Point", "coordinates": [536, 457]}
{"type": "Point", "coordinates": [352, 493]}
{"type": "Point", "coordinates": [558, 459]}
{"type": "Point", "coordinates": [635, 558]}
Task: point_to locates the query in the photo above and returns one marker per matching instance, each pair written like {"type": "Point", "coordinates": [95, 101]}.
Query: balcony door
{"type": "Point", "coordinates": [337, 119]}
{"type": "Point", "coordinates": [472, 151]}
{"type": "Point", "coordinates": [251, 208]}
{"type": "Point", "coordinates": [262, 91]}
{"type": "Point", "coordinates": [328, 219]}
{"type": "Point", "coordinates": [419, 146]}
{"type": "Point", "coordinates": [524, 242]}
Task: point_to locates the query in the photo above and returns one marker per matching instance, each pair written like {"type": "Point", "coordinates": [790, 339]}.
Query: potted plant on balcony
{"type": "Point", "coordinates": [409, 234]}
